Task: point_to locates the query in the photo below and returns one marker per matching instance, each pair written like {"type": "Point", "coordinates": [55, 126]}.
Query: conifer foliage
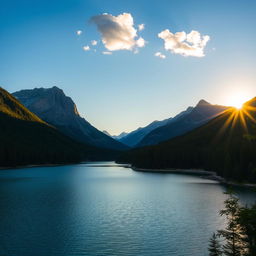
{"type": "Point", "coordinates": [239, 235]}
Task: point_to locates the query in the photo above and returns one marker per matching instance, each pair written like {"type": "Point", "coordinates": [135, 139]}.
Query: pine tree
{"type": "Point", "coordinates": [234, 245]}
{"type": "Point", "coordinates": [247, 220]}
{"type": "Point", "coordinates": [214, 246]}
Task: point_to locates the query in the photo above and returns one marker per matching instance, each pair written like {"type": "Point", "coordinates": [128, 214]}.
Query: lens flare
{"type": "Point", "coordinates": [238, 99]}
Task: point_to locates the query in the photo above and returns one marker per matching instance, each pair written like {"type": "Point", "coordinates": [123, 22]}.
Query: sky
{"type": "Point", "coordinates": [128, 63]}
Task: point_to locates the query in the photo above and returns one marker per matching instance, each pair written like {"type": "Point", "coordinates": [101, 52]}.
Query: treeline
{"type": "Point", "coordinates": [225, 145]}
{"type": "Point", "coordinates": [26, 139]}
{"type": "Point", "coordinates": [239, 236]}
{"type": "Point", "coordinates": [27, 142]}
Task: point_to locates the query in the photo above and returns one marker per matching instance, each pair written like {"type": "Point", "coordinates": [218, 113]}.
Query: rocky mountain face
{"type": "Point", "coordinates": [55, 108]}
{"type": "Point", "coordinates": [26, 139]}
{"type": "Point", "coordinates": [182, 123]}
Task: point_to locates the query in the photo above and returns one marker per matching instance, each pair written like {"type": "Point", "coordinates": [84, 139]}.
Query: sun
{"type": "Point", "coordinates": [237, 100]}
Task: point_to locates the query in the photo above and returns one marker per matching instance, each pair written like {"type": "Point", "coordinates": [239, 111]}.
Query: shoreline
{"type": "Point", "coordinates": [2, 168]}
{"type": "Point", "coordinates": [199, 172]}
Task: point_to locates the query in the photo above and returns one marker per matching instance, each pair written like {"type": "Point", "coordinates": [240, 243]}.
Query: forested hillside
{"type": "Point", "coordinates": [226, 144]}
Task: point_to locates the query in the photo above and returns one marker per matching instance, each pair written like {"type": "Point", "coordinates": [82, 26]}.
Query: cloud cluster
{"type": "Point", "coordinates": [160, 55]}
{"type": "Point", "coordinates": [191, 44]}
{"type": "Point", "coordinates": [118, 32]}
{"type": "Point", "coordinates": [86, 48]}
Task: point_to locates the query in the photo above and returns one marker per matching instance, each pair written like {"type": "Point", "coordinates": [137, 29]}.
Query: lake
{"type": "Point", "coordinates": [98, 209]}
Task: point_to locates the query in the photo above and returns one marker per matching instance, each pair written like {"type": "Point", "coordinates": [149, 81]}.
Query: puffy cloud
{"type": "Point", "coordinates": [79, 32]}
{"type": "Point", "coordinates": [160, 55]}
{"type": "Point", "coordinates": [118, 32]}
{"type": "Point", "coordinates": [141, 27]}
{"type": "Point", "coordinates": [94, 42]}
{"type": "Point", "coordinates": [86, 48]}
{"type": "Point", "coordinates": [140, 42]}
{"type": "Point", "coordinates": [191, 44]}
{"type": "Point", "coordinates": [107, 53]}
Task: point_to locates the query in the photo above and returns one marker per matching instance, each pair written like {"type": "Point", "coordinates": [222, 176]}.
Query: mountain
{"type": "Point", "coordinates": [116, 137]}
{"type": "Point", "coordinates": [55, 108]}
{"type": "Point", "coordinates": [184, 122]}
{"type": "Point", "coordinates": [133, 138]}
{"type": "Point", "coordinates": [225, 144]}
{"type": "Point", "coordinates": [120, 136]}
{"type": "Point", "coordinates": [26, 139]}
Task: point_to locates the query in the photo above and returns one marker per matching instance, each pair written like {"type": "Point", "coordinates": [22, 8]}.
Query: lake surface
{"type": "Point", "coordinates": [97, 210]}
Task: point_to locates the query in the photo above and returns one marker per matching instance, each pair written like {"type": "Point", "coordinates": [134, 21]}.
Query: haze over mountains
{"type": "Point", "coordinates": [54, 107]}
{"type": "Point", "coordinates": [185, 121]}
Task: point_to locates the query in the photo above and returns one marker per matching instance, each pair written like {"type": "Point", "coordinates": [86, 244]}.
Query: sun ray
{"type": "Point", "coordinates": [249, 115]}
{"type": "Point", "coordinates": [243, 120]}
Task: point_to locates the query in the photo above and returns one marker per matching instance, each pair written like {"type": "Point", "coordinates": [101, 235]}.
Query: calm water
{"type": "Point", "coordinates": [107, 210]}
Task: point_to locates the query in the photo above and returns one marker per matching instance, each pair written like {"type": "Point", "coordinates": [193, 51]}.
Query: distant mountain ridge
{"type": "Point", "coordinates": [133, 138]}
{"type": "Point", "coordinates": [225, 144]}
{"type": "Point", "coordinates": [59, 110]}
{"type": "Point", "coordinates": [183, 122]}
{"type": "Point", "coordinates": [120, 136]}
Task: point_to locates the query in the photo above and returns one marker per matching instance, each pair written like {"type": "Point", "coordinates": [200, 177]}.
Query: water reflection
{"type": "Point", "coordinates": [105, 209]}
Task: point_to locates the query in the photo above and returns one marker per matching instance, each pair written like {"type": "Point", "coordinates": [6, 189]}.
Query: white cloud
{"type": "Point", "coordinates": [107, 53]}
{"type": "Point", "coordinates": [118, 32]}
{"type": "Point", "coordinates": [191, 44]}
{"type": "Point", "coordinates": [94, 42]}
{"type": "Point", "coordinates": [160, 55]}
{"type": "Point", "coordinates": [79, 32]}
{"type": "Point", "coordinates": [140, 42]}
{"type": "Point", "coordinates": [86, 48]}
{"type": "Point", "coordinates": [141, 27]}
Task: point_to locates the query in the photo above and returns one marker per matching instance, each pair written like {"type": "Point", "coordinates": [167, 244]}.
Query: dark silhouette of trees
{"type": "Point", "coordinates": [232, 234]}
{"type": "Point", "coordinates": [240, 232]}
{"type": "Point", "coordinates": [224, 145]}
{"type": "Point", "coordinates": [214, 246]}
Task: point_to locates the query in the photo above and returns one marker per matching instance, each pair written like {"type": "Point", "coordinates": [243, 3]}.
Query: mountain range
{"type": "Point", "coordinates": [55, 108]}
{"type": "Point", "coordinates": [43, 126]}
{"type": "Point", "coordinates": [185, 121]}
{"type": "Point", "coordinates": [226, 145]}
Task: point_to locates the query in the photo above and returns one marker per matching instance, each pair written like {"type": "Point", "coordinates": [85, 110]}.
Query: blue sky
{"type": "Point", "coordinates": [125, 90]}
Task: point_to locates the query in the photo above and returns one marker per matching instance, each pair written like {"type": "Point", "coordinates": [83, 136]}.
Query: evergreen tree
{"type": "Point", "coordinates": [214, 246]}
{"type": "Point", "coordinates": [234, 245]}
{"type": "Point", "coordinates": [247, 221]}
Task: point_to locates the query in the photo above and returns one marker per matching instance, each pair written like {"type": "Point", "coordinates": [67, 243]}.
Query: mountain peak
{"type": "Point", "coordinates": [59, 110]}
{"type": "Point", "coordinates": [202, 102]}
{"type": "Point", "coordinates": [56, 89]}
